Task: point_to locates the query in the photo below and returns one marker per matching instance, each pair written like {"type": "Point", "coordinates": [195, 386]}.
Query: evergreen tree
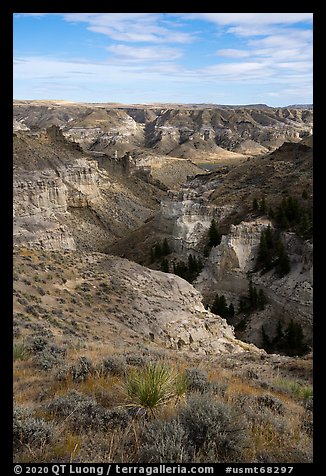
{"type": "Point", "coordinates": [214, 236]}
{"type": "Point", "coordinates": [231, 311]}
{"type": "Point", "coordinates": [265, 250]}
{"type": "Point", "coordinates": [269, 237]}
{"type": "Point", "coordinates": [165, 265]}
{"type": "Point", "coordinates": [267, 345]}
{"type": "Point", "coordinates": [223, 306]}
{"type": "Point", "coordinates": [263, 206]}
{"type": "Point", "coordinates": [271, 212]}
{"type": "Point", "coordinates": [279, 334]}
{"type": "Point", "coordinates": [305, 194]}
{"type": "Point", "coordinates": [165, 247]}
{"type": "Point", "coordinates": [294, 339]}
{"type": "Point", "coordinates": [157, 250]}
{"type": "Point", "coordinates": [219, 306]}
{"type": "Point", "coordinates": [215, 305]}
{"type": "Point", "coordinates": [261, 300]}
{"type": "Point", "coordinates": [255, 204]}
{"type": "Point", "coordinates": [253, 296]}
{"type": "Point", "coordinates": [283, 263]}
{"type": "Point", "coordinates": [282, 218]}
{"type": "Point", "coordinates": [242, 305]}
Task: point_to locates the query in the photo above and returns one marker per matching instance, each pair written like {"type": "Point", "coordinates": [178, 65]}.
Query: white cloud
{"type": "Point", "coordinates": [233, 53]}
{"type": "Point", "coordinates": [251, 24]}
{"type": "Point", "coordinates": [130, 27]}
{"type": "Point", "coordinates": [251, 18]}
{"type": "Point", "coordinates": [130, 53]}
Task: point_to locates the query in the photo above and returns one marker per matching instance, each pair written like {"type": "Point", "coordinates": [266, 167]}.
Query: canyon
{"type": "Point", "coordinates": [118, 179]}
{"type": "Point", "coordinates": [168, 241]}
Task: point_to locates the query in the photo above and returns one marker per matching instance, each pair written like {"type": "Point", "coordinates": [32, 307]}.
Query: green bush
{"type": "Point", "coordinates": [19, 351]}
{"type": "Point", "coordinates": [151, 386]}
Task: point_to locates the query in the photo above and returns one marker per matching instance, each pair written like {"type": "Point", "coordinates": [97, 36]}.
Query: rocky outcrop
{"type": "Point", "coordinates": [42, 198]}
{"type": "Point", "coordinates": [180, 131]}
{"type": "Point", "coordinates": [93, 200]}
{"type": "Point", "coordinates": [175, 315]}
{"type": "Point", "coordinates": [190, 212]}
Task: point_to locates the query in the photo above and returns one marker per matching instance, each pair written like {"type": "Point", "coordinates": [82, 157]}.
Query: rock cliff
{"type": "Point", "coordinates": [184, 131]}
{"type": "Point", "coordinates": [64, 199]}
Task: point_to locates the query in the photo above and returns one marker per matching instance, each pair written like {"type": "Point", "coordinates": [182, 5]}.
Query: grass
{"type": "Point", "coordinates": [161, 390]}
{"type": "Point", "coordinates": [19, 351]}
{"type": "Point", "coordinates": [294, 388]}
{"type": "Point", "coordinates": [152, 386]}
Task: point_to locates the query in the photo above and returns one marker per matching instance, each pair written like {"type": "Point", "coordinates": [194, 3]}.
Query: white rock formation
{"type": "Point", "coordinates": [42, 198]}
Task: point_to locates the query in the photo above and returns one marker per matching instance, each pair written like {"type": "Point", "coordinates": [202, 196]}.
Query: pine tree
{"type": "Point", "coordinates": [215, 305]}
{"type": "Point", "coordinates": [271, 212]}
{"type": "Point", "coordinates": [253, 297]}
{"type": "Point", "coordinates": [261, 300]}
{"type": "Point", "coordinates": [157, 250]}
{"type": "Point", "coordinates": [266, 245]}
{"type": "Point", "coordinates": [269, 237]}
{"type": "Point", "coordinates": [255, 204]}
{"type": "Point", "coordinates": [305, 194]}
{"type": "Point", "coordinates": [223, 306]}
{"type": "Point", "coordinates": [213, 234]}
{"type": "Point", "coordinates": [165, 265]}
{"type": "Point", "coordinates": [263, 205]}
{"type": "Point", "coordinates": [231, 311]}
{"type": "Point", "coordinates": [165, 247]}
{"type": "Point", "coordinates": [279, 332]}
{"type": "Point", "coordinates": [219, 306]}
{"type": "Point", "coordinates": [283, 264]}
{"type": "Point", "coordinates": [282, 218]}
{"type": "Point", "coordinates": [294, 339]}
{"type": "Point", "coordinates": [267, 345]}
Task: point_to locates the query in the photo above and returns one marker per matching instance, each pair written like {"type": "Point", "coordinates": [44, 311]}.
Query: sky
{"type": "Point", "coordinates": [220, 58]}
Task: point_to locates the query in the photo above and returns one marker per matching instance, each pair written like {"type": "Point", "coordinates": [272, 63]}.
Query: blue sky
{"type": "Point", "coordinates": [221, 58]}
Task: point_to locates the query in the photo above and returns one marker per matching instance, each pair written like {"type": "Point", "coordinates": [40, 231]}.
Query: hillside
{"type": "Point", "coordinates": [185, 131]}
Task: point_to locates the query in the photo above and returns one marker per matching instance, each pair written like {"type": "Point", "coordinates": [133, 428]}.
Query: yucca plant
{"type": "Point", "coordinates": [19, 351]}
{"type": "Point", "coordinates": [151, 386]}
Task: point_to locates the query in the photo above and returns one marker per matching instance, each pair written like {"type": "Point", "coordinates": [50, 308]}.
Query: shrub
{"type": "Point", "coordinates": [309, 403]}
{"type": "Point", "coordinates": [16, 331]}
{"type": "Point", "coordinates": [28, 430]}
{"type": "Point", "coordinates": [165, 442]}
{"type": "Point", "coordinates": [215, 429]}
{"type": "Point", "coordinates": [198, 379]}
{"type": "Point", "coordinates": [36, 344]}
{"type": "Point", "coordinates": [113, 365]}
{"type": "Point", "coordinates": [136, 360]}
{"type": "Point", "coordinates": [272, 403]}
{"type": "Point", "coordinates": [81, 369]}
{"type": "Point", "coordinates": [19, 351]}
{"type": "Point", "coordinates": [51, 356]}
{"type": "Point", "coordinates": [151, 386]}
{"type": "Point", "coordinates": [83, 412]}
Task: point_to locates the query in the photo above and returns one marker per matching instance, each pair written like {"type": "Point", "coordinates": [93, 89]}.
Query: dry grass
{"type": "Point", "coordinates": [269, 432]}
{"type": "Point", "coordinates": [227, 379]}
